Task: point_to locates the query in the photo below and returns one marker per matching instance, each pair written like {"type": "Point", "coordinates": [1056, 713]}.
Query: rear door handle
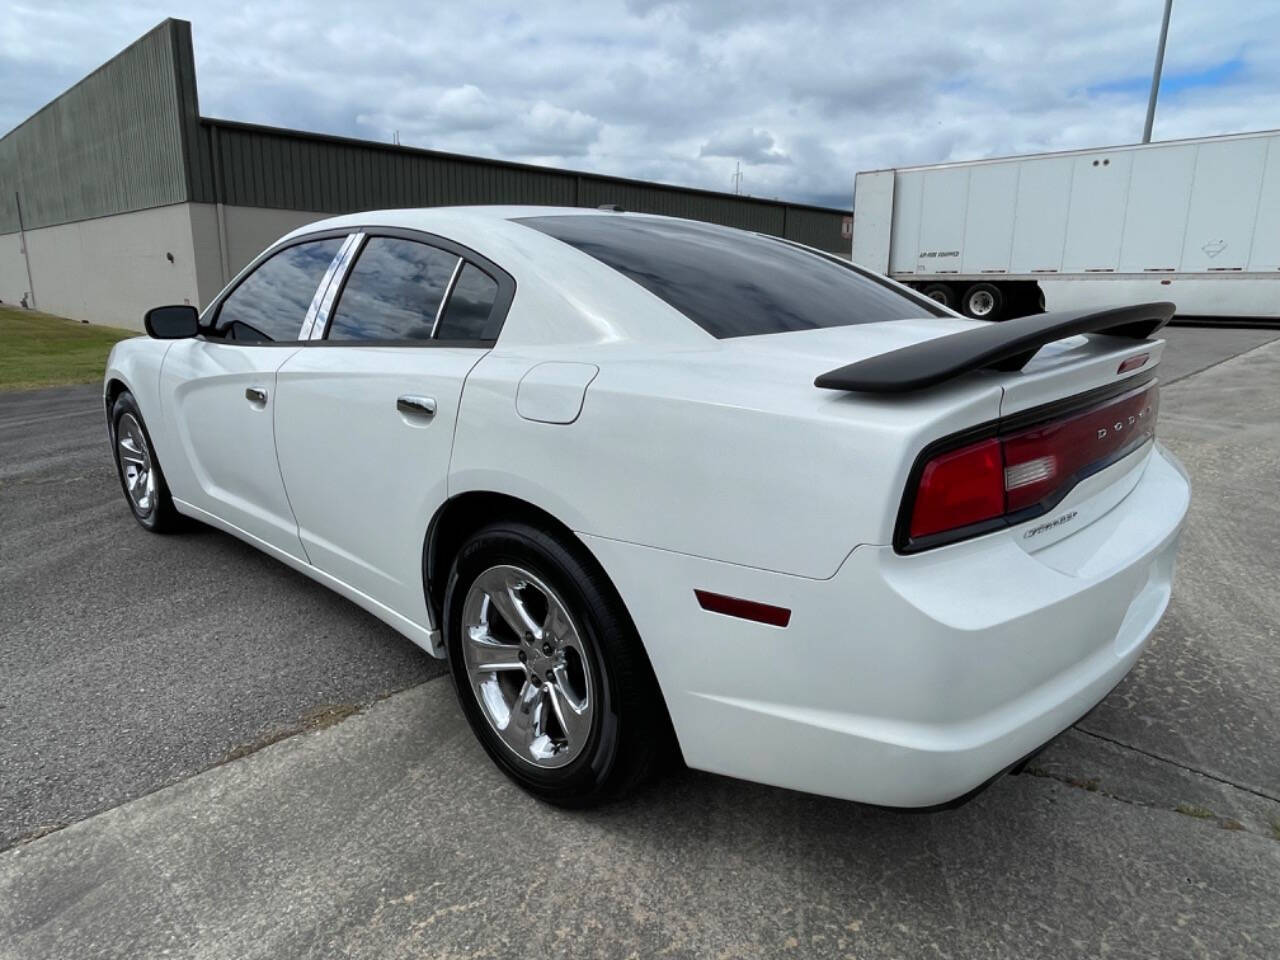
{"type": "Point", "coordinates": [256, 395]}
{"type": "Point", "coordinates": [424, 408]}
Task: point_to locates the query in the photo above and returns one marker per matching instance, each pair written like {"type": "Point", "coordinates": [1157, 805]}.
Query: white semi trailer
{"type": "Point", "coordinates": [1192, 221]}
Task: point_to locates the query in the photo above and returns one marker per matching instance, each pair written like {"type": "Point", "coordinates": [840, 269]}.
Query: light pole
{"type": "Point", "coordinates": [1155, 78]}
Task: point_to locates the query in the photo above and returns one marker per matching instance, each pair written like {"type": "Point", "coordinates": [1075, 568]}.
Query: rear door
{"type": "Point", "coordinates": [365, 413]}
{"type": "Point", "coordinates": [219, 392]}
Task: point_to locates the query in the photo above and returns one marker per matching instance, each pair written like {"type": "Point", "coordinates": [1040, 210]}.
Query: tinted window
{"type": "Point", "coordinates": [393, 291]}
{"type": "Point", "coordinates": [732, 283]}
{"type": "Point", "coordinates": [271, 302]}
{"type": "Point", "coordinates": [469, 313]}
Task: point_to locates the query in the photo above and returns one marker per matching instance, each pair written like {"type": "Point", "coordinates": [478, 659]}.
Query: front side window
{"type": "Point", "coordinates": [271, 303]}
{"type": "Point", "coordinates": [393, 292]}
{"type": "Point", "coordinates": [469, 314]}
{"type": "Point", "coordinates": [729, 282]}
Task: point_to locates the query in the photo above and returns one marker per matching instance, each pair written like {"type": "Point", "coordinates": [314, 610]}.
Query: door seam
{"type": "Point", "coordinates": [275, 384]}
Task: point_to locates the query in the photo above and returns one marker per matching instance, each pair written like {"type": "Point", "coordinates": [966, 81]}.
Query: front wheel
{"type": "Point", "coordinates": [140, 475]}
{"type": "Point", "coordinates": [548, 668]}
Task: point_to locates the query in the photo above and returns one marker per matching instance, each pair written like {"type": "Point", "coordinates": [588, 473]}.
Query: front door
{"type": "Point", "coordinates": [219, 395]}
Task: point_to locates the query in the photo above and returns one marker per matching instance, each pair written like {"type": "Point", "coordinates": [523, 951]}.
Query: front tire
{"type": "Point", "coordinates": [139, 471]}
{"type": "Point", "coordinates": [548, 668]}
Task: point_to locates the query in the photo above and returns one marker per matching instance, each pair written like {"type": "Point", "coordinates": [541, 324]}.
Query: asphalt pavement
{"type": "Point", "coordinates": [130, 662]}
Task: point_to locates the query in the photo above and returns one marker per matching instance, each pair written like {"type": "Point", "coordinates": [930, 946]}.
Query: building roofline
{"type": "Point", "coordinates": [511, 164]}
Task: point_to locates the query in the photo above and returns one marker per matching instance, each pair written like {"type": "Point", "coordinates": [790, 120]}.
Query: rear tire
{"type": "Point", "coordinates": [941, 293]}
{"type": "Point", "coordinates": [983, 301]}
{"type": "Point", "coordinates": [141, 478]}
{"type": "Point", "coordinates": [548, 668]}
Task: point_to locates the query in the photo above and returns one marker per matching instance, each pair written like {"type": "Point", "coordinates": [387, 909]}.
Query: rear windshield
{"type": "Point", "coordinates": [732, 283]}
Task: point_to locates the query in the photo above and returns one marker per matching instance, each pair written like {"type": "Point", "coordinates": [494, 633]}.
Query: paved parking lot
{"type": "Point", "coordinates": [130, 663]}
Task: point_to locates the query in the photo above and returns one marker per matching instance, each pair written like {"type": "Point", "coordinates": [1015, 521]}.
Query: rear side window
{"type": "Point", "coordinates": [469, 315]}
{"type": "Point", "coordinates": [393, 292]}
{"type": "Point", "coordinates": [271, 303]}
{"type": "Point", "coordinates": [729, 282]}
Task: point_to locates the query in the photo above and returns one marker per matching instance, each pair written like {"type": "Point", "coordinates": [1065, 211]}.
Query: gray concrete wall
{"type": "Point", "coordinates": [106, 270]}
{"type": "Point", "coordinates": [206, 252]}
{"type": "Point", "coordinates": [250, 230]}
{"type": "Point", "coordinates": [112, 269]}
{"type": "Point", "coordinates": [13, 271]}
{"type": "Point", "coordinates": [247, 232]}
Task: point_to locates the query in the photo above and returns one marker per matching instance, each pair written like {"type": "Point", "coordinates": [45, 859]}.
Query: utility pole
{"type": "Point", "coordinates": [1155, 79]}
{"type": "Point", "coordinates": [737, 177]}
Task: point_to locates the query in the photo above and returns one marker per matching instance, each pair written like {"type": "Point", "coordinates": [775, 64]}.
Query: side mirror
{"type": "Point", "coordinates": [172, 323]}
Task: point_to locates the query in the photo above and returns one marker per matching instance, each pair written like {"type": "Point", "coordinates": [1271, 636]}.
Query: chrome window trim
{"type": "Point", "coordinates": [317, 322]}
{"type": "Point", "coordinates": [309, 319]}
{"type": "Point", "coordinates": [448, 292]}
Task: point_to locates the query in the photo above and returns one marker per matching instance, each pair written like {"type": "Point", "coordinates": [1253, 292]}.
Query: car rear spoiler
{"type": "Point", "coordinates": [1006, 346]}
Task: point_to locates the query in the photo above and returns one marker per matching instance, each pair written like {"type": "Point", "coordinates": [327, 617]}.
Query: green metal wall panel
{"type": "Point", "coordinates": [818, 228]}
{"type": "Point", "coordinates": [114, 142]}
{"type": "Point", "coordinates": [272, 167]}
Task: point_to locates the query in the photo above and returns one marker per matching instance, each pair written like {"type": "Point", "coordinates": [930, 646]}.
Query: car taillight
{"type": "Point", "coordinates": [959, 488]}
{"type": "Point", "coordinates": [1020, 472]}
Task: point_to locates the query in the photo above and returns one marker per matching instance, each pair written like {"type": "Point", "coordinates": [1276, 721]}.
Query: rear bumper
{"type": "Point", "coordinates": [908, 681]}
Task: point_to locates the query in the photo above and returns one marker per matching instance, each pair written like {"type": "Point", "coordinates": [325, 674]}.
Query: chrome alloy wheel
{"type": "Point", "coordinates": [527, 666]}
{"type": "Point", "coordinates": [981, 303]}
{"type": "Point", "coordinates": [135, 464]}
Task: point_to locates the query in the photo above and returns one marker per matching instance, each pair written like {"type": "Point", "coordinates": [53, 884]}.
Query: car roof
{"type": "Point", "coordinates": [430, 218]}
{"type": "Point", "coordinates": [563, 295]}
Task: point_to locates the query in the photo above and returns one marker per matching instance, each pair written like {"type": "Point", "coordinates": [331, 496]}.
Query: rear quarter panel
{"type": "Point", "coordinates": [729, 461]}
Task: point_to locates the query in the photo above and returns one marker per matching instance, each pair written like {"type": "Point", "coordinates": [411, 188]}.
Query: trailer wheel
{"type": "Point", "coordinates": [942, 293]}
{"type": "Point", "coordinates": [983, 301]}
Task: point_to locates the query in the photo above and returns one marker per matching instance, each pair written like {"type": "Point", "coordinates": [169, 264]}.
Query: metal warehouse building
{"type": "Point", "coordinates": [118, 195]}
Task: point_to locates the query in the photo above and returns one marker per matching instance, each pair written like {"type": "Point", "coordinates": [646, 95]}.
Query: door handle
{"type": "Point", "coordinates": [422, 407]}
{"type": "Point", "coordinates": [256, 395]}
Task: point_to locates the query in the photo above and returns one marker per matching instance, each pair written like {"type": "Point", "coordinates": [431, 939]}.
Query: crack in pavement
{"type": "Point", "coordinates": [1132, 775]}
{"type": "Point", "coordinates": [1091, 786]}
{"type": "Point", "coordinates": [1217, 778]}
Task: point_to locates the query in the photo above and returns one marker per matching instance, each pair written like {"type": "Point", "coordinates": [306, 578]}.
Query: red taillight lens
{"type": "Point", "coordinates": [1040, 460]}
{"type": "Point", "coordinates": [1028, 470]}
{"type": "Point", "coordinates": [959, 488]}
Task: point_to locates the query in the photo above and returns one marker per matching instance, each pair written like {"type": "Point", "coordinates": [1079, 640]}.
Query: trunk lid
{"type": "Point", "coordinates": [1050, 438]}
{"type": "Point", "coordinates": [1077, 365]}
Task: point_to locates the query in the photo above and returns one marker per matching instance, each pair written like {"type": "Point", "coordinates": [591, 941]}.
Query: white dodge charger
{"type": "Point", "coordinates": [652, 485]}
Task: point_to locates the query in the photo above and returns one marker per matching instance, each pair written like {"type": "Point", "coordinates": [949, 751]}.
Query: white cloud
{"type": "Point", "coordinates": [804, 95]}
{"type": "Point", "coordinates": [750, 146]}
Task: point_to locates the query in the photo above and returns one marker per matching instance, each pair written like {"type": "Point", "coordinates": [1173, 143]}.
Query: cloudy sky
{"type": "Point", "coordinates": [801, 94]}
